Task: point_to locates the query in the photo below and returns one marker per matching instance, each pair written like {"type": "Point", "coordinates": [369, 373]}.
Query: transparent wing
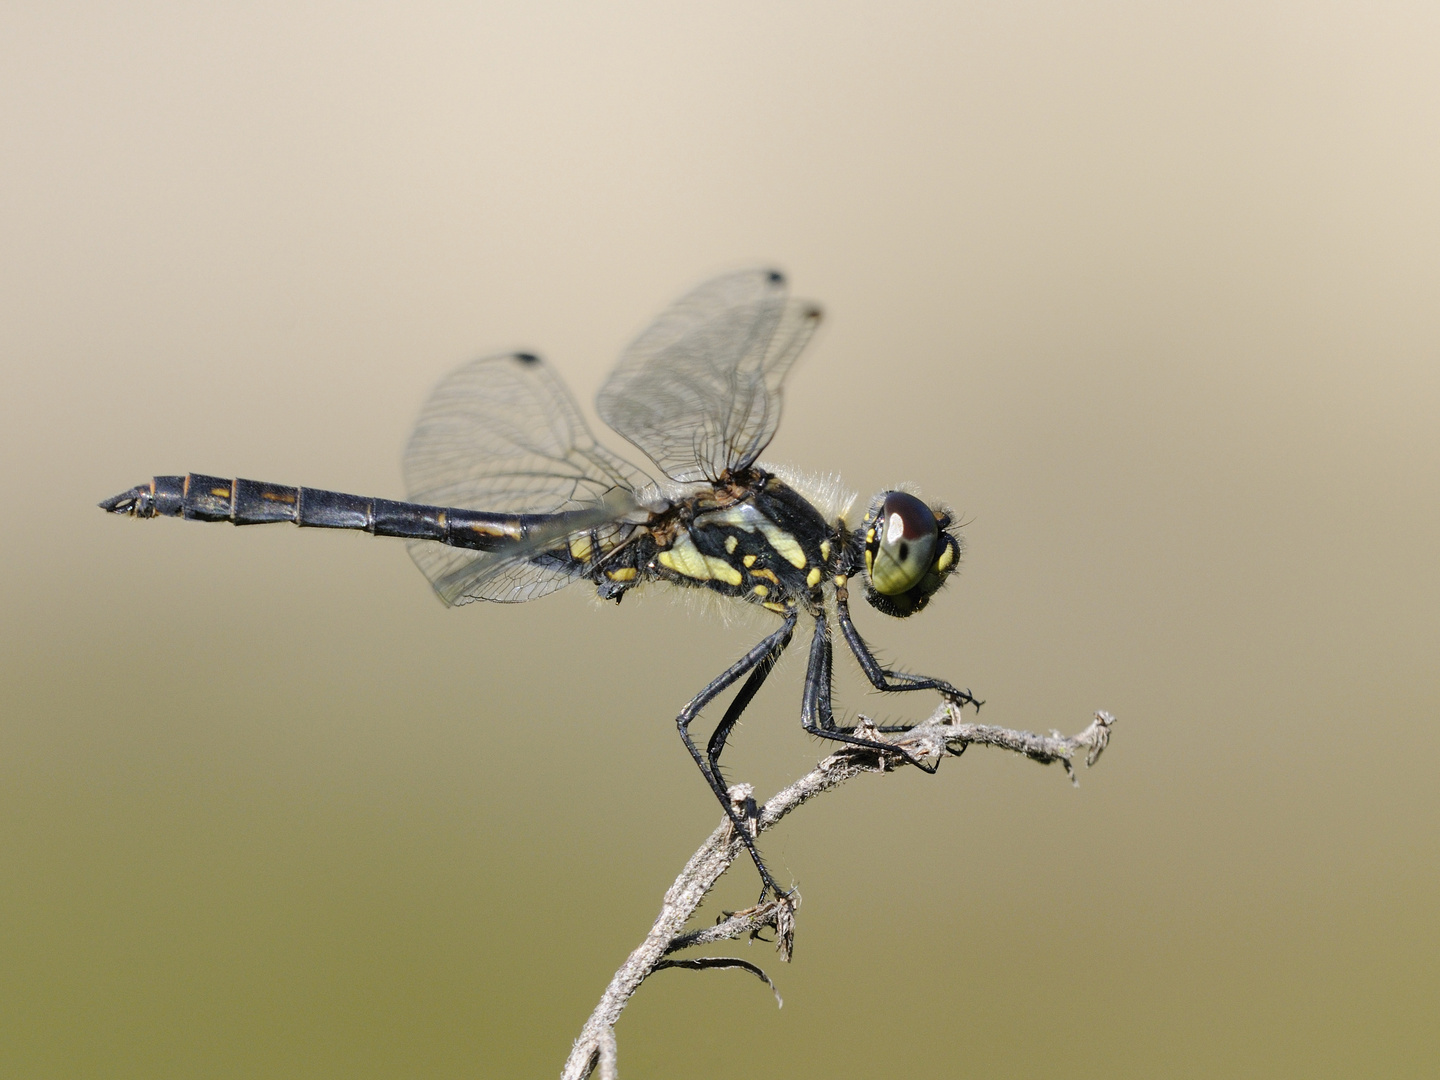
{"type": "Point", "coordinates": [521, 572]}
{"type": "Point", "coordinates": [699, 391]}
{"type": "Point", "coordinates": [502, 433]}
{"type": "Point", "coordinates": [461, 577]}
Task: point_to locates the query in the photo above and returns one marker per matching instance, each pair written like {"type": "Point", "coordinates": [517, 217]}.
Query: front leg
{"type": "Point", "coordinates": [818, 717]}
{"type": "Point", "coordinates": [883, 678]}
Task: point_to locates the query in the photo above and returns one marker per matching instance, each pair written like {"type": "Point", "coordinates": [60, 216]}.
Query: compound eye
{"type": "Point", "coordinates": [902, 544]}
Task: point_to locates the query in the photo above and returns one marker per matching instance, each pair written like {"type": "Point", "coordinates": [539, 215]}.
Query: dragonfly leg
{"type": "Point", "coordinates": [741, 702]}
{"type": "Point", "coordinates": [816, 714]}
{"type": "Point", "coordinates": [738, 704]}
{"type": "Point", "coordinates": [756, 664]}
{"type": "Point", "coordinates": [883, 678]}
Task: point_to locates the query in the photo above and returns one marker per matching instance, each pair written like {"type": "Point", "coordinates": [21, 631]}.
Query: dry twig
{"type": "Point", "coordinates": [944, 734]}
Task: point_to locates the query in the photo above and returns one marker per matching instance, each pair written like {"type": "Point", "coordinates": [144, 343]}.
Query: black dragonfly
{"type": "Point", "coordinates": [512, 498]}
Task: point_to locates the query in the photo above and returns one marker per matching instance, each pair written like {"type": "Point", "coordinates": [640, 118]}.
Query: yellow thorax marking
{"type": "Point", "coordinates": [745, 516]}
{"type": "Point", "coordinates": [685, 558]}
{"type": "Point", "coordinates": [813, 578]}
{"type": "Point", "coordinates": [783, 542]}
{"type": "Point", "coordinates": [625, 573]}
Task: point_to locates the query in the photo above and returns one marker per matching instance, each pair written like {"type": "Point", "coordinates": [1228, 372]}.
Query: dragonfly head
{"type": "Point", "coordinates": [910, 549]}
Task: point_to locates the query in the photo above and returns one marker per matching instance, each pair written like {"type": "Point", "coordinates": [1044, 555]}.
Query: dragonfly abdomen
{"type": "Point", "coordinates": [255, 502]}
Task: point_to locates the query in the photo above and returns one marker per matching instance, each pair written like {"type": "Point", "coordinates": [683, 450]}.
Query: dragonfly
{"type": "Point", "coordinates": [510, 497]}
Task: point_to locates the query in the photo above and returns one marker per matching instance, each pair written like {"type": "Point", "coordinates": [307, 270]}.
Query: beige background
{"type": "Point", "coordinates": [1147, 292]}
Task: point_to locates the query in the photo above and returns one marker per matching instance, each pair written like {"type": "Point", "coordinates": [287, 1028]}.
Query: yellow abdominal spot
{"type": "Point", "coordinates": [489, 530]}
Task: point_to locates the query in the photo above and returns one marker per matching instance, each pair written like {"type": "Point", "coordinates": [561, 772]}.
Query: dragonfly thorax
{"type": "Point", "coordinates": [750, 536]}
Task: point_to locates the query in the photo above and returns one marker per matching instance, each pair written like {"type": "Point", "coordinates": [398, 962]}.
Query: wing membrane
{"type": "Point", "coordinates": [700, 390]}
{"type": "Point", "coordinates": [502, 433]}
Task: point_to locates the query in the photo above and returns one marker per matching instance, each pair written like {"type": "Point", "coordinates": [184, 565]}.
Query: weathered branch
{"type": "Point", "coordinates": [944, 734]}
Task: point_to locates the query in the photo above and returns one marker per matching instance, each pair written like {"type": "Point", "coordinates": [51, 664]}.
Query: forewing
{"type": "Point", "coordinates": [700, 390]}
{"type": "Point", "coordinates": [502, 433]}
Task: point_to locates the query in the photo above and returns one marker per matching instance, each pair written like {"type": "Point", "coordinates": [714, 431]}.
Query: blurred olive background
{"type": "Point", "coordinates": [1146, 292]}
